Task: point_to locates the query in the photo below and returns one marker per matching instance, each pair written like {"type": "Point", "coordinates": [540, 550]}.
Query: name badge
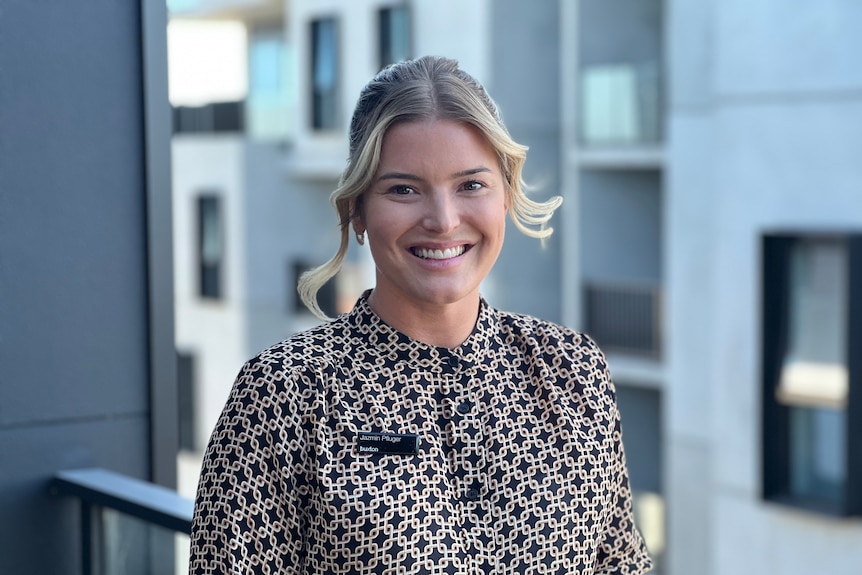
{"type": "Point", "coordinates": [388, 443]}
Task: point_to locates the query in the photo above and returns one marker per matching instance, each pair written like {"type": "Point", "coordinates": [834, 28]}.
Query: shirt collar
{"type": "Point", "coordinates": [389, 342]}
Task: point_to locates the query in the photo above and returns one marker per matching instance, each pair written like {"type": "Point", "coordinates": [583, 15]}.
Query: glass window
{"type": "Point", "coordinates": [210, 246]}
{"type": "Point", "coordinates": [271, 98]}
{"type": "Point", "coordinates": [620, 83]}
{"type": "Point", "coordinates": [813, 377]}
{"type": "Point", "coordinates": [809, 323]}
{"type": "Point", "coordinates": [817, 447]}
{"type": "Point", "coordinates": [324, 72]}
{"type": "Point", "coordinates": [394, 35]}
{"type": "Point", "coordinates": [186, 400]}
{"type": "Point", "coordinates": [814, 367]}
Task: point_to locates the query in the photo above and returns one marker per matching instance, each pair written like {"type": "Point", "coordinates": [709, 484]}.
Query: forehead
{"type": "Point", "coordinates": [436, 142]}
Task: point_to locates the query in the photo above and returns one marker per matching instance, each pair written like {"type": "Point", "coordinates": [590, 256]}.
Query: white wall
{"type": "Point", "coordinates": [213, 331]}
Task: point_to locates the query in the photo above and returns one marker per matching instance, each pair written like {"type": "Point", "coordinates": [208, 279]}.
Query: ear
{"type": "Point", "coordinates": [357, 218]}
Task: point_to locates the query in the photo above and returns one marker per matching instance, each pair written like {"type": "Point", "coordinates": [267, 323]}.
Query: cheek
{"type": "Point", "coordinates": [381, 226]}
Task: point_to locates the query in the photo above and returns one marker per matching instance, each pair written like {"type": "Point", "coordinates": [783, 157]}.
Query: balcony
{"type": "Point", "coordinates": [127, 525]}
{"type": "Point", "coordinates": [624, 318]}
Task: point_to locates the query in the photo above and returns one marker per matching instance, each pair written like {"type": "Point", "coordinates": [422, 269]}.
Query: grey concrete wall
{"type": "Point", "coordinates": [293, 220]}
{"type": "Point", "coordinates": [764, 108]}
{"type": "Point", "coordinates": [525, 84]}
{"type": "Point", "coordinates": [73, 268]}
{"type": "Point", "coordinates": [689, 283]}
{"type": "Point", "coordinates": [620, 31]}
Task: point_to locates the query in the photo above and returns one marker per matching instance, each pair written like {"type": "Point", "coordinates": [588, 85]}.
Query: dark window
{"type": "Point", "coordinates": [812, 323]}
{"type": "Point", "coordinates": [324, 74]}
{"type": "Point", "coordinates": [210, 246]}
{"type": "Point", "coordinates": [326, 297]}
{"type": "Point", "coordinates": [394, 25]}
{"type": "Point", "coordinates": [186, 400]}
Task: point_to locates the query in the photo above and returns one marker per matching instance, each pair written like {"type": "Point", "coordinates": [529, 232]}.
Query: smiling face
{"type": "Point", "coordinates": [435, 216]}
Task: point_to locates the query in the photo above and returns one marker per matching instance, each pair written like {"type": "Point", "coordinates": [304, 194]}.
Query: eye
{"type": "Point", "coordinates": [402, 190]}
{"type": "Point", "coordinates": [472, 186]}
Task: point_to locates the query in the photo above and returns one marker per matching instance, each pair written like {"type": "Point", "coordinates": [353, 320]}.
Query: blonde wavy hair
{"type": "Point", "coordinates": [427, 88]}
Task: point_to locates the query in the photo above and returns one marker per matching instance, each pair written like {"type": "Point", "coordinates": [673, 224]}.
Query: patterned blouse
{"type": "Point", "coordinates": [353, 449]}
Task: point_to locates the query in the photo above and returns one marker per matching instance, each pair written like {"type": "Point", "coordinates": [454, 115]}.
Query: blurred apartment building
{"type": "Point", "coordinates": [709, 241]}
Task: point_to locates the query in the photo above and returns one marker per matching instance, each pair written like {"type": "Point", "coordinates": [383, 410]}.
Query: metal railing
{"type": "Point", "coordinates": [127, 525]}
{"type": "Point", "coordinates": [624, 317]}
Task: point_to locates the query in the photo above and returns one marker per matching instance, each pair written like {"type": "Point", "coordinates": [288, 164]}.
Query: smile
{"type": "Point", "coordinates": [446, 254]}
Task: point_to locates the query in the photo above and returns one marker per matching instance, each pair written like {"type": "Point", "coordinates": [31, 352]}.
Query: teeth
{"type": "Point", "coordinates": [439, 254]}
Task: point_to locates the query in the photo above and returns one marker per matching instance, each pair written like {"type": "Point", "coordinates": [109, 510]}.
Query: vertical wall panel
{"type": "Point", "coordinates": [74, 364]}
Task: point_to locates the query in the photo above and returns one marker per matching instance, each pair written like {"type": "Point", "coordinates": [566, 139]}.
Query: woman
{"type": "Point", "coordinates": [423, 432]}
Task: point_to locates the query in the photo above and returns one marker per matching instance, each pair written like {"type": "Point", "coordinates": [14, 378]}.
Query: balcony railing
{"type": "Point", "coordinates": [624, 318]}
{"type": "Point", "coordinates": [127, 525]}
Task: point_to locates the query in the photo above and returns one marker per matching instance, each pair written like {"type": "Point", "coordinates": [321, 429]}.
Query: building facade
{"type": "Point", "coordinates": [708, 239]}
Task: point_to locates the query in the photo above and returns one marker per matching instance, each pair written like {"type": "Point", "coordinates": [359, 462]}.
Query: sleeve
{"type": "Point", "coordinates": [622, 549]}
{"type": "Point", "coordinates": [249, 512]}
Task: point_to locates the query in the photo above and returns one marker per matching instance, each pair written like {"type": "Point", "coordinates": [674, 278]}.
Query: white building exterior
{"type": "Point", "coordinates": [680, 133]}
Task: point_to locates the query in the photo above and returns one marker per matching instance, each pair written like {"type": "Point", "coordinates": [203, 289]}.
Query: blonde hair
{"type": "Point", "coordinates": [430, 87]}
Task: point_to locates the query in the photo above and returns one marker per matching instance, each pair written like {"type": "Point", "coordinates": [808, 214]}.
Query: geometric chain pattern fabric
{"type": "Point", "coordinates": [519, 467]}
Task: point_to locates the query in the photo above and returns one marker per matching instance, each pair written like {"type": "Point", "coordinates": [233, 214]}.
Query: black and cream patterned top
{"type": "Point", "coordinates": [353, 449]}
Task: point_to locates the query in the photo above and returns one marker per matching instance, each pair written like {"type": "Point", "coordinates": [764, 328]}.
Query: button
{"type": "Point", "coordinates": [465, 407]}
{"type": "Point", "coordinates": [472, 494]}
{"type": "Point", "coordinates": [453, 361]}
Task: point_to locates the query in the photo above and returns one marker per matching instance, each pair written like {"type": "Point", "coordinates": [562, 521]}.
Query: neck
{"type": "Point", "coordinates": [440, 325]}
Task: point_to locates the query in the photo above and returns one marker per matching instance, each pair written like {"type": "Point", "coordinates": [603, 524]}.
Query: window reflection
{"type": "Point", "coordinates": [211, 246]}
{"type": "Point", "coordinates": [814, 378]}
{"type": "Point", "coordinates": [620, 104]}
{"type": "Point", "coordinates": [324, 61]}
{"type": "Point", "coordinates": [394, 35]}
{"type": "Point", "coordinates": [814, 368]}
{"type": "Point", "coordinates": [271, 97]}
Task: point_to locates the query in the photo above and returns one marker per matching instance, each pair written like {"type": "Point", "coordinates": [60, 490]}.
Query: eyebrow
{"type": "Point", "coordinates": [415, 178]}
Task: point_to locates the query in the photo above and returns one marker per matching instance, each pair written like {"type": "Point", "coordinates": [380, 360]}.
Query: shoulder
{"type": "Point", "coordinates": [325, 343]}
{"type": "Point", "coordinates": [306, 353]}
{"type": "Point", "coordinates": [290, 372]}
{"type": "Point", "coordinates": [568, 358]}
{"type": "Point", "coordinates": [550, 338]}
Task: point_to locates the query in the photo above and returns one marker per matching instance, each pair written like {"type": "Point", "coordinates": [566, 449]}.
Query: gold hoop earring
{"type": "Point", "coordinates": [360, 237]}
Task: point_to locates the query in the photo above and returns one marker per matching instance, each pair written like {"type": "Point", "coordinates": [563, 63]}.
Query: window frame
{"type": "Point", "coordinates": [776, 476]}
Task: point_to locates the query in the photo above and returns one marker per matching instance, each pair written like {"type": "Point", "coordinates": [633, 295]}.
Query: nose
{"type": "Point", "coordinates": [441, 213]}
